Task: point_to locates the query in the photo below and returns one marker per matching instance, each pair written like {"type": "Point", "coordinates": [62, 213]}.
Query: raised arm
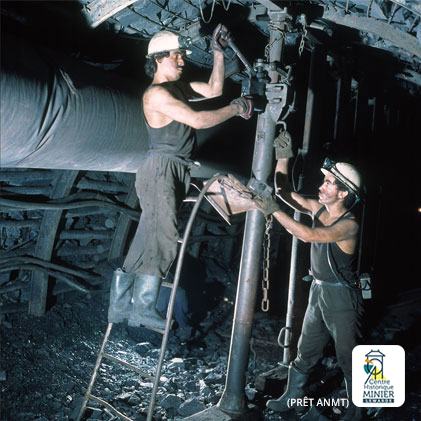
{"type": "Point", "coordinates": [215, 85]}
{"type": "Point", "coordinates": [213, 88]}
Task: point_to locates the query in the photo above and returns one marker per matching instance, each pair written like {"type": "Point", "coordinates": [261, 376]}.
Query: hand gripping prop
{"type": "Point", "coordinates": [247, 104]}
{"type": "Point", "coordinates": [229, 196]}
{"type": "Point", "coordinates": [220, 38]}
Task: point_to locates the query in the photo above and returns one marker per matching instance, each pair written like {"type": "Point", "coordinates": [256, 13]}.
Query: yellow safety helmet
{"type": "Point", "coordinates": [165, 41]}
{"type": "Point", "coordinates": [346, 173]}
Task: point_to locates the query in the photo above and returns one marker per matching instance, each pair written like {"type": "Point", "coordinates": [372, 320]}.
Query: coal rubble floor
{"type": "Point", "coordinates": [46, 364]}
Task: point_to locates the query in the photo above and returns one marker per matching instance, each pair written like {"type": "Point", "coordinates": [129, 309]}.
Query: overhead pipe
{"type": "Point", "coordinates": [233, 400]}
{"type": "Point", "coordinates": [61, 113]}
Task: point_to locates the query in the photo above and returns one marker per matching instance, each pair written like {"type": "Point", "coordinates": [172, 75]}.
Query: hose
{"type": "Point", "coordinates": [174, 290]}
{"type": "Point", "coordinates": [57, 275]}
{"type": "Point", "coordinates": [32, 260]}
{"type": "Point", "coordinates": [131, 213]}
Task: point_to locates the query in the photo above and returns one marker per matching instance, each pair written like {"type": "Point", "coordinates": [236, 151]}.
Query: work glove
{"type": "Point", "coordinates": [220, 38]}
{"type": "Point", "coordinates": [247, 105]}
{"type": "Point", "coordinates": [283, 145]}
{"type": "Point", "coordinates": [267, 205]}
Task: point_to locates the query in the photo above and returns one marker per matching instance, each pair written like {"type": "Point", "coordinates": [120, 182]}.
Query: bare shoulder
{"type": "Point", "coordinates": [314, 206]}
{"type": "Point", "coordinates": [154, 99]}
{"type": "Point", "coordinates": [154, 92]}
{"type": "Point", "coordinates": [348, 224]}
{"type": "Point", "coordinates": [349, 229]}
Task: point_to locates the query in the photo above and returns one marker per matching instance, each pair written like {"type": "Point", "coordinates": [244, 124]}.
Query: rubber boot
{"type": "Point", "coordinates": [120, 296]}
{"type": "Point", "coordinates": [353, 412]}
{"type": "Point", "coordinates": [296, 382]}
{"type": "Point", "coordinates": [145, 295]}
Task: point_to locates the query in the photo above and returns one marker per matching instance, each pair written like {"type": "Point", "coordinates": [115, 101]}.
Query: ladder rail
{"type": "Point", "coordinates": [170, 309]}
{"type": "Point", "coordinates": [95, 372]}
{"type": "Point", "coordinates": [156, 379]}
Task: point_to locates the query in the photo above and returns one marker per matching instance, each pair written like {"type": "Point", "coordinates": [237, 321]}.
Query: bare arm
{"type": "Point", "coordinates": [160, 108]}
{"type": "Point", "coordinates": [345, 230]}
{"type": "Point", "coordinates": [213, 88]}
{"type": "Point", "coordinates": [292, 199]}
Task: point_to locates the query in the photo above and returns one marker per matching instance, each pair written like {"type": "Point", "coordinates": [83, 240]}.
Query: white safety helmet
{"type": "Point", "coordinates": [346, 173]}
{"type": "Point", "coordinates": [165, 41]}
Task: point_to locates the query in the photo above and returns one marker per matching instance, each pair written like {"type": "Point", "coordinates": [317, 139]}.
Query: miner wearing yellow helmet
{"type": "Point", "coordinates": [335, 300]}
{"type": "Point", "coordinates": [163, 177]}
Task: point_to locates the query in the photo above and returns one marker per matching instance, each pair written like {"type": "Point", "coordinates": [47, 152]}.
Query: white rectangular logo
{"type": "Point", "coordinates": [378, 375]}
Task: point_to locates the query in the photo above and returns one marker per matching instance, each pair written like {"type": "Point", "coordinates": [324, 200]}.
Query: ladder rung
{"type": "Point", "coordinates": [128, 365]}
{"type": "Point", "coordinates": [166, 284]}
{"type": "Point", "coordinates": [111, 408]}
{"type": "Point", "coordinates": [155, 329]}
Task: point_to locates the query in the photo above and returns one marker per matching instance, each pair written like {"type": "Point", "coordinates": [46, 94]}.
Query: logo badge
{"type": "Point", "coordinates": [378, 375]}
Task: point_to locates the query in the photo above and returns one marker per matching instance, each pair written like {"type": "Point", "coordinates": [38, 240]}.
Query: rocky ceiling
{"type": "Point", "coordinates": [390, 25]}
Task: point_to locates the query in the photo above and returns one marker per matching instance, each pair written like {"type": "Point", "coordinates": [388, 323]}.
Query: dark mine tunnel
{"type": "Point", "coordinates": [318, 78]}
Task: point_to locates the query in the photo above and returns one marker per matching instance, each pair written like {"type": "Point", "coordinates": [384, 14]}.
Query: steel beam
{"type": "Point", "coordinates": [342, 133]}
{"type": "Point", "coordinates": [98, 11]}
{"type": "Point", "coordinates": [381, 29]}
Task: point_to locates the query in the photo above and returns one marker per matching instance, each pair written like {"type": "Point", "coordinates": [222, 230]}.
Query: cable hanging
{"type": "Point", "coordinates": [211, 14]}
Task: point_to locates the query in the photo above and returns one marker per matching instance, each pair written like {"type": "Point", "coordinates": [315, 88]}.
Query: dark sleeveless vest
{"type": "Point", "coordinates": [342, 262]}
{"type": "Point", "coordinates": [175, 138]}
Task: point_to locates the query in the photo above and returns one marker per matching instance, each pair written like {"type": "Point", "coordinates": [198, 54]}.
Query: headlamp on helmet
{"type": "Point", "coordinates": [345, 173]}
{"type": "Point", "coordinates": [166, 41]}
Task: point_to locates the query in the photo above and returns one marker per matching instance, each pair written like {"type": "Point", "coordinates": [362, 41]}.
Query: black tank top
{"type": "Point", "coordinates": [344, 263]}
{"type": "Point", "coordinates": [175, 138]}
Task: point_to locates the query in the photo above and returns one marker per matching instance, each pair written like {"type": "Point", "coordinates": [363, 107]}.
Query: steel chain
{"type": "Point", "coordinates": [302, 42]}
{"type": "Point", "coordinates": [275, 27]}
{"type": "Point", "coordinates": [266, 264]}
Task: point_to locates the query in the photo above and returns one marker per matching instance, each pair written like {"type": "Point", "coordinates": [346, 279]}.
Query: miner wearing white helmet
{"type": "Point", "coordinates": [163, 177]}
{"type": "Point", "coordinates": [335, 300]}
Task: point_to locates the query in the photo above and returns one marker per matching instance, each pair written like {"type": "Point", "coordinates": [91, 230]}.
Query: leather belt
{"type": "Point", "coordinates": [184, 161]}
{"type": "Point", "coordinates": [328, 284]}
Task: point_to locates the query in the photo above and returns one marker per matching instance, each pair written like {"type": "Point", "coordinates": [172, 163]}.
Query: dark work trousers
{"type": "Point", "coordinates": [161, 185]}
{"type": "Point", "coordinates": [332, 311]}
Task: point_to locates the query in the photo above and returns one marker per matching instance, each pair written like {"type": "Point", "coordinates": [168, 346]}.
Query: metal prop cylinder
{"type": "Point", "coordinates": [233, 400]}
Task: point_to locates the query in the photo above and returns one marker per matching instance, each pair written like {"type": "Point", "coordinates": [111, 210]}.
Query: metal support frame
{"type": "Point", "coordinates": [381, 29]}
{"type": "Point", "coordinates": [342, 133]}
{"type": "Point", "coordinates": [98, 11]}
{"type": "Point", "coordinates": [233, 400]}
{"type": "Point", "coordinates": [290, 337]}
